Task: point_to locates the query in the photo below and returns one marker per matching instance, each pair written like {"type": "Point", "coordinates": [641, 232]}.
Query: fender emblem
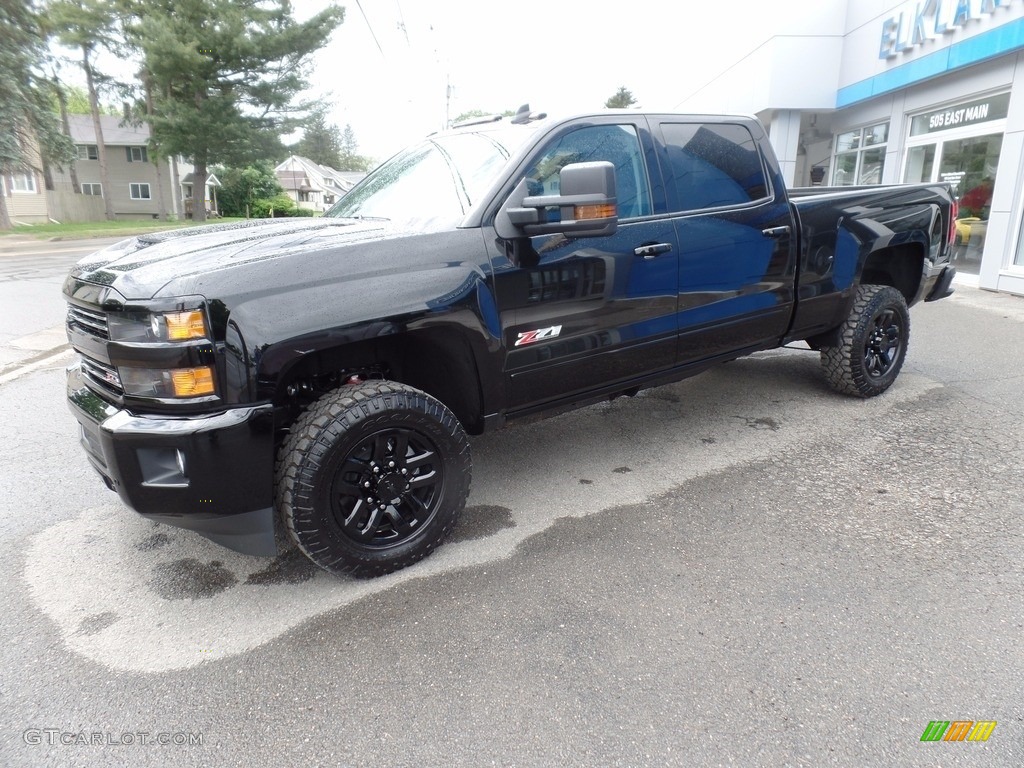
{"type": "Point", "coordinates": [529, 337]}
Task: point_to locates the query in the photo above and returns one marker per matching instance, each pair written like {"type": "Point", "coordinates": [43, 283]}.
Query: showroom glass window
{"type": "Point", "coordinates": [860, 156]}
{"type": "Point", "coordinates": [1019, 261]}
{"type": "Point", "coordinates": [960, 144]}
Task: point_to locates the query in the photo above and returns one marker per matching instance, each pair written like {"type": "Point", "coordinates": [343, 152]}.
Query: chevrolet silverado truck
{"type": "Point", "coordinates": [312, 382]}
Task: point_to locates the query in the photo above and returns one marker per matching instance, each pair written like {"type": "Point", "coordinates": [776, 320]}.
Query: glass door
{"type": "Point", "coordinates": [920, 164]}
{"type": "Point", "coordinates": [970, 165]}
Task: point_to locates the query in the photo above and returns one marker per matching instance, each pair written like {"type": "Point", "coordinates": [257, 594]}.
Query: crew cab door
{"type": "Point", "coordinates": [582, 313]}
{"type": "Point", "coordinates": [737, 260]}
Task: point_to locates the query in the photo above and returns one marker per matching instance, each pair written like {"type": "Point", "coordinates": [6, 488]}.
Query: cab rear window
{"type": "Point", "coordinates": [713, 166]}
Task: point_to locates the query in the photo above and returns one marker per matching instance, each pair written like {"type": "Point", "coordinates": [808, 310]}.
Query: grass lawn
{"type": "Point", "coordinates": [101, 228]}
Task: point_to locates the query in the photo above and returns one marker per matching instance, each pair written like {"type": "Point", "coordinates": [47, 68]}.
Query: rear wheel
{"type": "Point", "coordinates": [372, 478]}
{"type": "Point", "coordinates": [872, 343]}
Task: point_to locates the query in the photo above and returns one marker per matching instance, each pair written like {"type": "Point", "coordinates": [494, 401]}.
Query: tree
{"type": "Point", "coordinates": [155, 151]}
{"type": "Point", "coordinates": [242, 187]}
{"type": "Point", "coordinates": [62, 108]}
{"type": "Point", "coordinates": [622, 99]}
{"type": "Point", "coordinates": [27, 120]}
{"type": "Point", "coordinates": [82, 24]}
{"type": "Point", "coordinates": [76, 101]}
{"type": "Point", "coordinates": [350, 159]}
{"type": "Point", "coordinates": [224, 76]}
{"type": "Point", "coordinates": [320, 141]}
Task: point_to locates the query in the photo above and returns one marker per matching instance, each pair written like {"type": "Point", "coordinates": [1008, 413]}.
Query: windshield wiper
{"type": "Point", "coordinates": [360, 217]}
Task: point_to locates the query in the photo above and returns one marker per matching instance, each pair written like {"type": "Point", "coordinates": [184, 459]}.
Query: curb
{"type": "Point", "coordinates": [40, 360]}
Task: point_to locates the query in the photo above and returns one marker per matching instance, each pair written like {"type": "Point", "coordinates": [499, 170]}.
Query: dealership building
{"type": "Point", "coordinates": [882, 92]}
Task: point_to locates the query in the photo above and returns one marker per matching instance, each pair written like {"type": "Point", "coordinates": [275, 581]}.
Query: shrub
{"type": "Point", "coordinates": [280, 205]}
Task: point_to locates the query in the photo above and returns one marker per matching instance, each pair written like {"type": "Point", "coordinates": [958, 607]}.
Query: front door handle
{"type": "Point", "coordinates": [652, 250]}
{"type": "Point", "coordinates": [775, 232]}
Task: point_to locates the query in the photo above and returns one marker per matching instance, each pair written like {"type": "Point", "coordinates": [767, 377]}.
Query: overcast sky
{"type": "Point", "coordinates": [387, 68]}
{"type": "Point", "coordinates": [558, 55]}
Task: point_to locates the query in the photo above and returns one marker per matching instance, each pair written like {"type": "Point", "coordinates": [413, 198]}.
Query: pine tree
{"type": "Point", "coordinates": [350, 159]}
{"type": "Point", "coordinates": [224, 74]}
{"type": "Point", "coordinates": [26, 117]}
{"type": "Point", "coordinates": [62, 108]}
{"type": "Point", "coordinates": [84, 24]}
{"type": "Point", "coordinates": [320, 142]}
{"type": "Point", "coordinates": [76, 101]}
{"type": "Point", "coordinates": [622, 99]}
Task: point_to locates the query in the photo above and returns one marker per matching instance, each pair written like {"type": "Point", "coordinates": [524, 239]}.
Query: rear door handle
{"type": "Point", "coordinates": [652, 250]}
{"type": "Point", "coordinates": [775, 232]}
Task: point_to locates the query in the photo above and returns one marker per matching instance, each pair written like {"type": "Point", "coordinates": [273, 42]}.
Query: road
{"type": "Point", "coordinates": [740, 569]}
{"type": "Point", "coordinates": [31, 274]}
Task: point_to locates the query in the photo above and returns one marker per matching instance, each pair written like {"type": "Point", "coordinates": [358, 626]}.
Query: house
{"type": "Point", "coordinates": [137, 189]}
{"type": "Point", "coordinates": [24, 192]}
{"type": "Point", "coordinates": [312, 185]}
{"type": "Point", "coordinates": [212, 182]}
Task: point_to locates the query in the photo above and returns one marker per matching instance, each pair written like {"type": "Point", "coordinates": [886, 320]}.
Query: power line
{"type": "Point", "coordinates": [401, 23]}
{"type": "Point", "coordinates": [370, 27]}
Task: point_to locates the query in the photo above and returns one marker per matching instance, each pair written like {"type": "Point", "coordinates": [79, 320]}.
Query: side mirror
{"type": "Point", "coordinates": [584, 207]}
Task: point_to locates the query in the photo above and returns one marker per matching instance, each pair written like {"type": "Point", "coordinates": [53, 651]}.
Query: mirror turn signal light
{"type": "Point", "coordinates": [600, 211]}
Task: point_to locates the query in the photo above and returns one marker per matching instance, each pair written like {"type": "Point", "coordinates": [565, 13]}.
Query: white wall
{"type": "Point", "coordinates": [998, 272]}
{"type": "Point", "coordinates": [784, 73]}
{"type": "Point", "coordinates": [795, 67]}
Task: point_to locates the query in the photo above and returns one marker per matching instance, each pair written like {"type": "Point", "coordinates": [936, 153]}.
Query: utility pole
{"type": "Point", "coordinates": [448, 101]}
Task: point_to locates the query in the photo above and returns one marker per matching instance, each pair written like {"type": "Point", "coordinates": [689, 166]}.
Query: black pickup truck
{"type": "Point", "coordinates": [313, 380]}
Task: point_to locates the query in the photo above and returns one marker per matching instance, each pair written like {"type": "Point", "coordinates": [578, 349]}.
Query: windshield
{"type": "Point", "coordinates": [433, 185]}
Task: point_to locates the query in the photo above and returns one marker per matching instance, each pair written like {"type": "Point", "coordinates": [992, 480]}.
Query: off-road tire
{"type": "Point", "coordinates": [872, 343]}
{"type": "Point", "coordinates": [326, 478]}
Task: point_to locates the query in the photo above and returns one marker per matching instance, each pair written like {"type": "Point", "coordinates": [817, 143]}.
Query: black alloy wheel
{"type": "Point", "coordinates": [867, 351]}
{"type": "Point", "coordinates": [388, 488]}
{"type": "Point", "coordinates": [884, 347]}
{"type": "Point", "coordinates": [372, 478]}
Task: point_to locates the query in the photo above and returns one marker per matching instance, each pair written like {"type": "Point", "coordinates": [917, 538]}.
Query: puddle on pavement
{"type": "Point", "coordinates": [481, 521]}
{"type": "Point", "coordinates": [189, 579]}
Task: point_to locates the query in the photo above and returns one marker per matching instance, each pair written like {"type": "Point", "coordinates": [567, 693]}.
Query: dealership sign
{"type": "Point", "coordinates": [984, 110]}
{"type": "Point", "coordinates": [926, 20]}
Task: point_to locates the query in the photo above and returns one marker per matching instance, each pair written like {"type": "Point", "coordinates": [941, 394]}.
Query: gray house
{"type": "Point", "coordinates": [136, 188]}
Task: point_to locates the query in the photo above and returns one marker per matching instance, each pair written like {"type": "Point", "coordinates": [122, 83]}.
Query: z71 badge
{"type": "Point", "coordinates": [529, 337]}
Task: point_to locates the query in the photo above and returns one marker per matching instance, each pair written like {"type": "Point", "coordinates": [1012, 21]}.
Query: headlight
{"type": "Point", "coordinates": [170, 326]}
{"type": "Point", "coordinates": [177, 382]}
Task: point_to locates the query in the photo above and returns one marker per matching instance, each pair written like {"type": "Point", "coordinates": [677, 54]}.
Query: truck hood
{"type": "Point", "coordinates": [139, 267]}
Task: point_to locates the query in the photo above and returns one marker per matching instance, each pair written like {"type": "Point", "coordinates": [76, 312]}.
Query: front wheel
{"type": "Point", "coordinates": [372, 478]}
{"type": "Point", "coordinates": [872, 343]}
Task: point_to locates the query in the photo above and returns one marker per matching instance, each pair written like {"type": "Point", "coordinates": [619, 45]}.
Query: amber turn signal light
{"type": "Point", "coordinates": [601, 211]}
{"type": "Point", "coordinates": [185, 325]}
{"type": "Point", "coordinates": [192, 382]}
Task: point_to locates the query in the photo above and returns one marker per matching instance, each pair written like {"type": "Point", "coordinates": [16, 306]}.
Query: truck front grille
{"type": "Point", "coordinates": [105, 376]}
{"type": "Point", "coordinates": [89, 321]}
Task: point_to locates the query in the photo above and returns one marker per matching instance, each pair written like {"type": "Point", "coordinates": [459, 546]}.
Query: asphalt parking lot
{"type": "Point", "coordinates": [740, 569]}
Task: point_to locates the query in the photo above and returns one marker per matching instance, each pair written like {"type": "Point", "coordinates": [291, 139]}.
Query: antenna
{"type": "Point", "coordinates": [524, 115]}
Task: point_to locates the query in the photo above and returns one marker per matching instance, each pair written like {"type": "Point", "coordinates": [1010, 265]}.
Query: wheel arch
{"type": "Point", "coordinates": [900, 266]}
{"type": "Point", "coordinates": [438, 360]}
